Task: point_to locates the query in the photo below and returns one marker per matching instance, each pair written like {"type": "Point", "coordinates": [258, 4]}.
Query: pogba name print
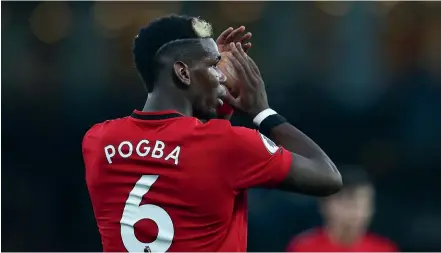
{"type": "Point", "coordinates": [144, 148]}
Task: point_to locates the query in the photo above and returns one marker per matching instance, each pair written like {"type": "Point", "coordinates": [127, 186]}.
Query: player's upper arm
{"type": "Point", "coordinates": [91, 140]}
{"type": "Point", "coordinates": [293, 246]}
{"type": "Point", "coordinates": [91, 135]}
{"type": "Point", "coordinates": [310, 177]}
{"type": "Point", "coordinates": [251, 159]}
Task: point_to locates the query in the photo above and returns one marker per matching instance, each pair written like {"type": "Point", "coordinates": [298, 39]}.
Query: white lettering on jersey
{"type": "Point", "coordinates": [142, 149]}
{"type": "Point", "coordinates": [158, 149]}
{"type": "Point", "coordinates": [145, 147]}
{"type": "Point", "coordinates": [174, 155]}
{"type": "Point", "coordinates": [109, 154]}
{"type": "Point", "coordinates": [120, 149]}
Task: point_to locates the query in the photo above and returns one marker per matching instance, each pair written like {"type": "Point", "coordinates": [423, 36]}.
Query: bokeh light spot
{"type": "Point", "coordinates": [245, 12]}
{"type": "Point", "coordinates": [51, 21]}
{"type": "Point", "coordinates": [113, 15]}
{"type": "Point", "coordinates": [335, 8]}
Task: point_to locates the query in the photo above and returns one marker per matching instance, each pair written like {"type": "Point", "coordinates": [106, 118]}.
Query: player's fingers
{"type": "Point", "coordinates": [244, 40]}
{"type": "Point", "coordinates": [236, 53]}
{"type": "Point", "coordinates": [246, 63]}
{"type": "Point", "coordinates": [234, 35]}
{"type": "Point", "coordinates": [247, 46]}
{"type": "Point", "coordinates": [240, 65]}
{"type": "Point", "coordinates": [238, 62]}
{"type": "Point", "coordinates": [254, 66]}
{"type": "Point", "coordinates": [236, 59]}
{"type": "Point", "coordinates": [246, 37]}
{"type": "Point", "coordinates": [238, 37]}
{"type": "Point", "coordinates": [241, 51]}
{"type": "Point", "coordinates": [223, 36]}
{"type": "Point", "coordinates": [247, 75]}
{"type": "Point", "coordinates": [229, 99]}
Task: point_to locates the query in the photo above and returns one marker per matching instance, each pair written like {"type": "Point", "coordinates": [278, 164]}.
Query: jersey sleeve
{"type": "Point", "coordinates": [292, 246]}
{"type": "Point", "coordinates": [253, 160]}
{"type": "Point", "coordinates": [298, 244]}
{"type": "Point", "coordinates": [386, 245]}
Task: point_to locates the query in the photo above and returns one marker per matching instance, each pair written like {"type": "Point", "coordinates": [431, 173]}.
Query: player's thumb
{"type": "Point", "coordinates": [229, 99]}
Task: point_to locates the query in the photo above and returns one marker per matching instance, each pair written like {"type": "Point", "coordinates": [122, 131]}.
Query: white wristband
{"type": "Point", "coordinates": [263, 115]}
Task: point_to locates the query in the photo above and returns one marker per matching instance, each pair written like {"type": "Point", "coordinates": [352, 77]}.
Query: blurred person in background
{"type": "Point", "coordinates": [347, 216]}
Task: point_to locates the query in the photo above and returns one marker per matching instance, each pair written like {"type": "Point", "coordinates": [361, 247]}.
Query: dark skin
{"type": "Point", "coordinates": [233, 35]}
{"type": "Point", "coordinates": [223, 43]}
{"type": "Point", "coordinates": [194, 88]}
{"type": "Point", "coordinates": [202, 107]}
{"type": "Point", "coordinates": [312, 172]}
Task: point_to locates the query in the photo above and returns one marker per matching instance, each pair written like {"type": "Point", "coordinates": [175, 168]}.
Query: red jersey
{"type": "Point", "coordinates": [163, 181]}
{"type": "Point", "coordinates": [317, 240]}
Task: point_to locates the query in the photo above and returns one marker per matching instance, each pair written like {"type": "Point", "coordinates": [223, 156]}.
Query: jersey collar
{"type": "Point", "coordinates": [159, 115]}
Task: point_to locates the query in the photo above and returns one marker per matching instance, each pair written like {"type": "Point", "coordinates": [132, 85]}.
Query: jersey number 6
{"type": "Point", "coordinates": [133, 213]}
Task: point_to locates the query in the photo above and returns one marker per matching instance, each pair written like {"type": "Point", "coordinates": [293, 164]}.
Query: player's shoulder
{"type": "Point", "coordinates": [308, 236]}
{"type": "Point", "coordinates": [215, 125]}
{"type": "Point", "coordinates": [243, 137]}
{"type": "Point", "coordinates": [98, 130]}
{"type": "Point", "coordinates": [225, 128]}
{"type": "Point", "coordinates": [381, 242]}
{"type": "Point", "coordinates": [305, 240]}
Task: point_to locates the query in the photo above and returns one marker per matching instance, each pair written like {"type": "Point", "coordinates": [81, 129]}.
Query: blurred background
{"type": "Point", "coordinates": [362, 79]}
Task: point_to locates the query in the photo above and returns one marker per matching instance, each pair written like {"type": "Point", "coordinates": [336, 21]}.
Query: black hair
{"type": "Point", "coordinates": [354, 176]}
{"type": "Point", "coordinates": [186, 50]}
{"type": "Point", "coordinates": [162, 36]}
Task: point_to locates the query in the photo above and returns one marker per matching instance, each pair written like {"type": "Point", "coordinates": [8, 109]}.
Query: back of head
{"type": "Point", "coordinates": [165, 36]}
{"type": "Point", "coordinates": [354, 176]}
{"type": "Point", "coordinates": [353, 205]}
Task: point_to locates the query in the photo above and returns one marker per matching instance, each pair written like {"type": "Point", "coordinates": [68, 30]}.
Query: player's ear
{"type": "Point", "coordinates": [182, 73]}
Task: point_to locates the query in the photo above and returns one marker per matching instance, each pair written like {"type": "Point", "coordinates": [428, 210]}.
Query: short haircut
{"type": "Point", "coordinates": [162, 36]}
{"type": "Point", "coordinates": [353, 176]}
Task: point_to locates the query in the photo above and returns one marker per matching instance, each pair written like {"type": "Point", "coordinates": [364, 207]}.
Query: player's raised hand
{"type": "Point", "coordinates": [228, 36]}
{"type": "Point", "coordinates": [236, 36]}
{"type": "Point", "coordinates": [252, 97]}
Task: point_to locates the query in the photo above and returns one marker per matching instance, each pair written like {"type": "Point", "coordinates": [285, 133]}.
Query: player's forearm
{"type": "Point", "coordinates": [297, 142]}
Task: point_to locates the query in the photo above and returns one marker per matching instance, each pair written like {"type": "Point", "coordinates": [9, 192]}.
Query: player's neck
{"type": "Point", "coordinates": [343, 235]}
{"type": "Point", "coordinates": [160, 100]}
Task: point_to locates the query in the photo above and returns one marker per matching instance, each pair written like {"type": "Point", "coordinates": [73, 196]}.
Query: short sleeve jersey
{"type": "Point", "coordinates": [317, 240]}
{"type": "Point", "coordinates": [163, 181]}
